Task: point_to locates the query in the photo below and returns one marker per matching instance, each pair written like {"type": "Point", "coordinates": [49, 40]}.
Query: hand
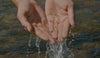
{"type": "Point", "coordinates": [60, 15]}
{"type": "Point", "coordinates": [33, 19]}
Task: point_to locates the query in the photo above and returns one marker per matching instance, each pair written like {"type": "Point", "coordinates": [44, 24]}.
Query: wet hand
{"type": "Point", "coordinates": [60, 15]}
{"type": "Point", "coordinates": [33, 19]}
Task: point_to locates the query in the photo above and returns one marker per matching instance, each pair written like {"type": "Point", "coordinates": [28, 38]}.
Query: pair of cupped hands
{"type": "Point", "coordinates": [52, 25]}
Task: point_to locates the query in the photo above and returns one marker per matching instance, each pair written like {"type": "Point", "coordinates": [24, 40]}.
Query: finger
{"type": "Point", "coordinates": [60, 32]}
{"type": "Point", "coordinates": [66, 26]}
{"type": "Point", "coordinates": [25, 29]}
{"type": "Point", "coordinates": [41, 35]}
{"type": "Point", "coordinates": [50, 13]}
{"type": "Point", "coordinates": [41, 32]}
{"type": "Point", "coordinates": [46, 32]}
{"type": "Point", "coordinates": [71, 13]}
{"type": "Point", "coordinates": [55, 28]}
{"type": "Point", "coordinates": [50, 23]}
{"type": "Point", "coordinates": [50, 7]}
{"type": "Point", "coordinates": [24, 20]}
{"type": "Point", "coordinates": [52, 35]}
{"type": "Point", "coordinates": [40, 12]}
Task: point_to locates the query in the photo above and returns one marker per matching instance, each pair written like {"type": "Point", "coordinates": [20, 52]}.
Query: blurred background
{"type": "Point", "coordinates": [14, 39]}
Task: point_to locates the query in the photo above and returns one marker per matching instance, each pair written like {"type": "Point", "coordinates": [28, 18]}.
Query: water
{"type": "Point", "coordinates": [38, 45]}
{"type": "Point", "coordinates": [59, 50]}
{"type": "Point", "coordinates": [29, 45]}
{"type": "Point", "coordinates": [14, 40]}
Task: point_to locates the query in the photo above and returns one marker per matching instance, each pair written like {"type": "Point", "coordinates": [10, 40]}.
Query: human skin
{"type": "Point", "coordinates": [60, 15]}
{"type": "Point", "coordinates": [33, 19]}
{"type": "Point", "coordinates": [54, 28]}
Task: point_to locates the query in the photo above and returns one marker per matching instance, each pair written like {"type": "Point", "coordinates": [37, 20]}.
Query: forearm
{"type": "Point", "coordinates": [18, 2]}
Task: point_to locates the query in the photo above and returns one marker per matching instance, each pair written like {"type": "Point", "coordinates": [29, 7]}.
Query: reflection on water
{"type": "Point", "coordinates": [15, 43]}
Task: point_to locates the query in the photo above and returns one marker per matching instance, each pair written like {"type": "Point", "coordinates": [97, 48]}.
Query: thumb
{"type": "Point", "coordinates": [25, 23]}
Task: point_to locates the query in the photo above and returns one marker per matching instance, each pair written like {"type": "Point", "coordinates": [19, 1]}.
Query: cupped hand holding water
{"type": "Point", "coordinates": [60, 15]}
{"type": "Point", "coordinates": [33, 19]}
{"type": "Point", "coordinates": [54, 28]}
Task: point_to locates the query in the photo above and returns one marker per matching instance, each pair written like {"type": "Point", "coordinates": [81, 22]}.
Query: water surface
{"type": "Point", "coordinates": [14, 39]}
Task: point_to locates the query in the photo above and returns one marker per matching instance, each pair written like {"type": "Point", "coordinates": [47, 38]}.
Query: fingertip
{"type": "Point", "coordinates": [60, 40]}
{"type": "Point", "coordinates": [29, 28]}
{"type": "Point", "coordinates": [51, 41]}
{"type": "Point", "coordinates": [73, 24]}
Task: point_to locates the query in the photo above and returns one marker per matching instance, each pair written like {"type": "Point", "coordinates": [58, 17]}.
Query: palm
{"type": "Point", "coordinates": [35, 20]}
{"type": "Point", "coordinates": [59, 17]}
{"type": "Point", "coordinates": [39, 22]}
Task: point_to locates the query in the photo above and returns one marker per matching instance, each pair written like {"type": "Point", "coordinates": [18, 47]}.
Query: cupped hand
{"type": "Point", "coordinates": [33, 19]}
{"type": "Point", "coordinates": [60, 15]}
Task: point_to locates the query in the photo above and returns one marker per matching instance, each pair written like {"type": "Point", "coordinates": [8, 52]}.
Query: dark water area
{"type": "Point", "coordinates": [86, 40]}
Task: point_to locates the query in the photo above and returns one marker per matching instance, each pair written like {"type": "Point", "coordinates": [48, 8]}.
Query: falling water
{"type": "Point", "coordinates": [59, 50]}
{"type": "Point", "coordinates": [38, 45]}
{"type": "Point", "coordinates": [29, 45]}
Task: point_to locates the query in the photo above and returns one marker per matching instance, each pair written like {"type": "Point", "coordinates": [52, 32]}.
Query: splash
{"type": "Point", "coordinates": [38, 45]}
{"type": "Point", "coordinates": [59, 50]}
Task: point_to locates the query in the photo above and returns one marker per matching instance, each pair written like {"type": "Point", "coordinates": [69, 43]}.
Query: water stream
{"type": "Point", "coordinates": [59, 50]}
{"type": "Point", "coordinates": [15, 42]}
